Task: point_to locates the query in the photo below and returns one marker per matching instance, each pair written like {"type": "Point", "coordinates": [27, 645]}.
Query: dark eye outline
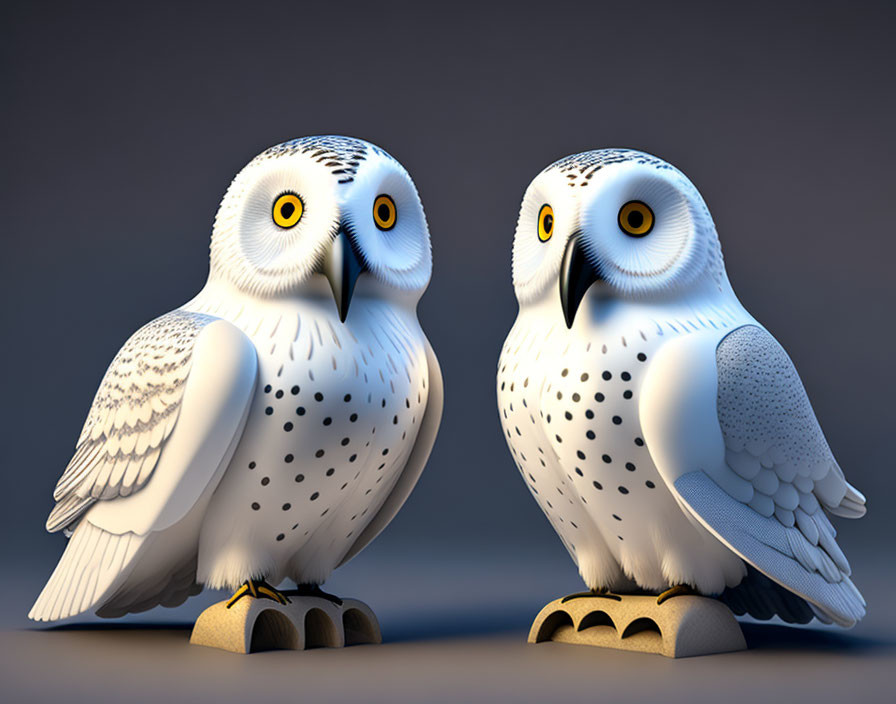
{"type": "Point", "coordinates": [648, 219]}
{"type": "Point", "coordinates": [287, 198]}
{"type": "Point", "coordinates": [379, 202]}
{"type": "Point", "coordinates": [545, 223]}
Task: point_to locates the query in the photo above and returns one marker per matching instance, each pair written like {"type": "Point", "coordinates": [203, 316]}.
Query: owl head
{"type": "Point", "coordinates": [617, 223]}
{"type": "Point", "coordinates": [323, 210]}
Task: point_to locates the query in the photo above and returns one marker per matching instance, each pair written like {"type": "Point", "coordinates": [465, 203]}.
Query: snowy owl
{"type": "Point", "coordinates": [663, 431]}
{"type": "Point", "coordinates": [271, 427]}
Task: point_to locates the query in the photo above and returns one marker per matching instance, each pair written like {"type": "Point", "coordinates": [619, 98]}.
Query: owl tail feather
{"type": "Point", "coordinates": [90, 569]}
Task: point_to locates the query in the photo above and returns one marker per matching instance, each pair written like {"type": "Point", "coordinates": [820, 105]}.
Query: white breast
{"type": "Point", "coordinates": [336, 414]}
{"type": "Point", "coordinates": [569, 408]}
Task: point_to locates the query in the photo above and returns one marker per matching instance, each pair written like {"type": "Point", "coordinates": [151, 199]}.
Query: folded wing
{"type": "Point", "coordinates": [162, 427]}
{"type": "Point", "coordinates": [734, 436]}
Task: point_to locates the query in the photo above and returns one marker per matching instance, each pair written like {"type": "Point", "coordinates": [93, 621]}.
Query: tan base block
{"type": "Point", "coordinates": [680, 627]}
{"type": "Point", "coordinates": [252, 625]}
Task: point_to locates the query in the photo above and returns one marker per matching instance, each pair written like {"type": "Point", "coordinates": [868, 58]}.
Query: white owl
{"type": "Point", "coordinates": [264, 430]}
{"type": "Point", "coordinates": [661, 428]}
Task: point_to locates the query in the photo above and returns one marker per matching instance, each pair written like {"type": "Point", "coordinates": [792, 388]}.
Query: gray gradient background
{"type": "Point", "coordinates": [122, 127]}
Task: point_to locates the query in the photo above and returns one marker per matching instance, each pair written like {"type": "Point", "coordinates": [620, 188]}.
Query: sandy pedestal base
{"type": "Point", "coordinates": [680, 627]}
{"type": "Point", "coordinates": [251, 625]}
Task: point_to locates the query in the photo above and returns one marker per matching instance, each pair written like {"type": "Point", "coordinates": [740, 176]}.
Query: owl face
{"type": "Point", "coordinates": [316, 208]}
{"type": "Point", "coordinates": [618, 221]}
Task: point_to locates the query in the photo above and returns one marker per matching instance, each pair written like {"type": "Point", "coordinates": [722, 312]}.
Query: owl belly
{"type": "Point", "coordinates": [592, 469]}
{"type": "Point", "coordinates": [329, 431]}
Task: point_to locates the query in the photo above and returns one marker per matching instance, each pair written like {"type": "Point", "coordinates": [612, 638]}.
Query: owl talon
{"type": "Point", "coordinates": [603, 593]}
{"type": "Point", "coordinates": [272, 593]}
{"type": "Point", "coordinates": [677, 590]}
{"type": "Point", "coordinates": [258, 589]}
{"type": "Point", "coordinates": [238, 594]}
{"type": "Point", "coordinates": [314, 590]}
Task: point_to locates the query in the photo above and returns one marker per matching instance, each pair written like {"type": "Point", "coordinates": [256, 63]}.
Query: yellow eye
{"type": "Point", "coordinates": [384, 212]}
{"type": "Point", "coordinates": [287, 211]}
{"type": "Point", "coordinates": [636, 218]}
{"type": "Point", "coordinates": [545, 222]}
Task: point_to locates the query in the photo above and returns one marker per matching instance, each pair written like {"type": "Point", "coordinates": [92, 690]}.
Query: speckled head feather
{"type": "Point", "coordinates": [578, 169]}
{"type": "Point", "coordinates": [337, 180]}
{"type": "Point", "coordinates": [586, 192]}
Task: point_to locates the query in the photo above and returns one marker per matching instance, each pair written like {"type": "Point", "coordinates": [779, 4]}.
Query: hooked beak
{"type": "Point", "coordinates": [342, 266]}
{"type": "Point", "coordinates": [576, 276]}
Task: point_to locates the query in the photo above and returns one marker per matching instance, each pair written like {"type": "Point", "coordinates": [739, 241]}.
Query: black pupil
{"type": "Point", "coordinates": [635, 219]}
{"type": "Point", "coordinates": [548, 223]}
{"type": "Point", "coordinates": [383, 212]}
{"type": "Point", "coordinates": [287, 209]}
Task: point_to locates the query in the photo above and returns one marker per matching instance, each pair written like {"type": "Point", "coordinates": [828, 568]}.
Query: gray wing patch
{"type": "Point", "coordinates": [780, 477]}
{"type": "Point", "coordinates": [763, 409]}
{"type": "Point", "coordinates": [133, 412]}
{"type": "Point", "coordinates": [772, 438]}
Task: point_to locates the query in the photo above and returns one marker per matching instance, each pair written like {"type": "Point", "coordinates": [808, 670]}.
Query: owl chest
{"type": "Point", "coordinates": [331, 390]}
{"type": "Point", "coordinates": [570, 413]}
{"type": "Point", "coordinates": [333, 419]}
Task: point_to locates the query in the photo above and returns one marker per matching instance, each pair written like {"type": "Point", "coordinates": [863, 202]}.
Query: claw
{"type": "Point", "coordinates": [677, 590]}
{"type": "Point", "coordinates": [314, 590]}
{"type": "Point", "coordinates": [258, 590]}
{"type": "Point", "coordinates": [273, 594]}
{"type": "Point", "coordinates": [238, 594]}
{"type": "Point", "coordinates": [602, 593]}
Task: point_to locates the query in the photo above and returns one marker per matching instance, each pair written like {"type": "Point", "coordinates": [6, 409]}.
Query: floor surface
{"type": "Point", "coordinates": [454, 630]}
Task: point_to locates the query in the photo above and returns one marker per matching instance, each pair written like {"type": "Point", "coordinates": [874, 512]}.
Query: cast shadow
{"type": "Point", "coordinates": [767, 637]}
{"type": "Point", "coordinates": [118, 626]}
{"type": "Point", "coordinates": [761, 637]}
{"type": "Point", "coordinates": [443, 626]}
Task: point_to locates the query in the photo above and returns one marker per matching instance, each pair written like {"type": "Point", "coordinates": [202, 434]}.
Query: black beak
{"type": "Point", "coordinates": [342, 266]}
{"type": "Point", "coordinates": [576, 276]}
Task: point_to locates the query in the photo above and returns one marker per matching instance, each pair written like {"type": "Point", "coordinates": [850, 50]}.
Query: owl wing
{"type": "Point", "coordinates": [164, 421]}
{"type": "Point", "coordinates": [731, 430]}
{"type": "Point", "coordinates": [426, 437]}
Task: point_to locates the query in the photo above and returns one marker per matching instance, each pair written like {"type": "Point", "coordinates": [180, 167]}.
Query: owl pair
{"type": "Point", "coordinates": [271, 427]}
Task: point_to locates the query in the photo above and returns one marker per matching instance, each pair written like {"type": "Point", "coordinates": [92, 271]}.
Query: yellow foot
{"type": "Point", "coordinates": [677, 590]}
{"type": "Point", "coordinates": [603, 593]}
{"type": "Point", "coordinates": [258, 589]}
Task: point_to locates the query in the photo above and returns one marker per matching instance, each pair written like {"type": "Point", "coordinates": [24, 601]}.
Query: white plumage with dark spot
{"type": "Point", "coordinates": [663, 431]}
{"type": "Point", "coordinates": [271, 427]}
